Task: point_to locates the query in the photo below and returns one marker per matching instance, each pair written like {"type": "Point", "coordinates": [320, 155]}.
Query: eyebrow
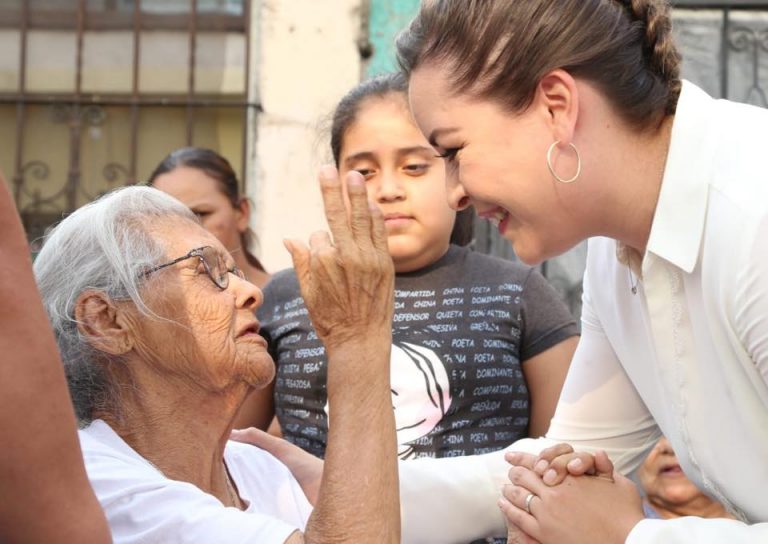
{"type": "Point", "coordinates": [438, 132]}
{"type": "Point", "coordinates": [370, 155]}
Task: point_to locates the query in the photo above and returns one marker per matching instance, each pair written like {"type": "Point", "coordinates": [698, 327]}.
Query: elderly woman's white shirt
{"type": "Point", "coordinates": [143, 506]}
{"type": "Point", "coordinates": [686, 356]}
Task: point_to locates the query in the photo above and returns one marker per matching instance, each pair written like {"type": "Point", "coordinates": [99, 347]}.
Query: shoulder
{"type": "Point", "coordinates": [103, 448]}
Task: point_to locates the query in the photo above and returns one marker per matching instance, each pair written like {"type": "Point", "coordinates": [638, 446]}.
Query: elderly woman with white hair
{"type": "Point", "coordinates": [160, 345]}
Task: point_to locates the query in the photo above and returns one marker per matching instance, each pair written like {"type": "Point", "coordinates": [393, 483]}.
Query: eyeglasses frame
{"type": "Point", "coordinates": [198, 252]}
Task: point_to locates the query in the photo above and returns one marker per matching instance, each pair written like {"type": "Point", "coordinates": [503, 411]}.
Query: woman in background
{"type": "Point", "coordinates": [207, 184]}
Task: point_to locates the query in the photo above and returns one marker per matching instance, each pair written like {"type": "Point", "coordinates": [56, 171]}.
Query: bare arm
{"type": "Point", "coordinates": [348, 286]}
{"type": "Point", "coordinates": [545, 374]}
{"type": "Point", "coordinates": [44, 491]}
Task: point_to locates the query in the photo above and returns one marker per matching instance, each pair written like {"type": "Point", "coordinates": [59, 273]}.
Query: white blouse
{"type": "Point", "coordinates": [687, 356]}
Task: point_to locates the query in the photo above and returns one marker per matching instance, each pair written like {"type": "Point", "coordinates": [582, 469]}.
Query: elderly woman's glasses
{"type": "Point", "coordinates": [212, 263]}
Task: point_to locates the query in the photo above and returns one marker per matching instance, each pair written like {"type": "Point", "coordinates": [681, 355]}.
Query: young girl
{"type": "Point", "coordinates": [481, 345]}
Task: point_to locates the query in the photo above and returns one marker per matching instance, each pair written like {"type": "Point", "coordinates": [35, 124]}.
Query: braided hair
{"type": "Point", "coordinates": [500, 50]}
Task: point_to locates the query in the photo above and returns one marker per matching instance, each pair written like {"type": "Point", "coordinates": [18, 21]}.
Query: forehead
{"type": "Point", "coordinates": [189, 185]}
{"type": "Point", "coordinates": [382, 122]}
{"type": "Point", "coordinates": [429, 85]}
{"type": "Point", "coordinates": [178, 236]}
{"type": "Point", "coordinates": [431, 100]}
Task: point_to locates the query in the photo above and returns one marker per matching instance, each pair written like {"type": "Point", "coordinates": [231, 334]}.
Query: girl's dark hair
{"type": "Point", "coordinates": [500, 50]}
{"type": "Point", "coordinates": [346, 114]}
{"type": "Point", "coordinates": [219, 169]}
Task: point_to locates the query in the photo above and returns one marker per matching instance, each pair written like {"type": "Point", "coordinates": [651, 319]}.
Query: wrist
{"type": "Point", "coordinates": [352, 346]}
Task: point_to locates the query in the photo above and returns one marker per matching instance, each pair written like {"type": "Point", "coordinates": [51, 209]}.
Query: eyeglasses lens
{"type": "Point", "coordinates": [215, 267]}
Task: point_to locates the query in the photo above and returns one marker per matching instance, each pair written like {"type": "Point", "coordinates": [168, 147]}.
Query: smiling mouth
{"type": "Point", "coordinates": [499, 217]}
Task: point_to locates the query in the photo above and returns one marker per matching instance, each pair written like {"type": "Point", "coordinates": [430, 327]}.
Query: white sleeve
{"type": "Point", "coordinates": [701, 531]}
{"type": "Point", "coordinates": [751, 300]}
{"type": "Point", "coordinates": [143, 508]}
{"type": "Point", "coordinates": [453, 500]}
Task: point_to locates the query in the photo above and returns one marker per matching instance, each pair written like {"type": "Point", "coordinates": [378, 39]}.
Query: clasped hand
{"type": "Point", "coordinates": [563, 496]}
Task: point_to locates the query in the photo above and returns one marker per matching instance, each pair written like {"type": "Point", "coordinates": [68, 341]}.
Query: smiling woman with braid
{"type": "Point", "coordinates": [564, 120]}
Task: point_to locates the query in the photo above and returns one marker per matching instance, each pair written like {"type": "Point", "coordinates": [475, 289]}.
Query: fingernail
{"type": "Point", "coordinates": [575, 464]}
{"type": "Point", "coordinates": [327, 171]}
{"type": "Point", "coordinates": [541, 466]}
{"type": "Point", "coordinates": [355, 180]}
{"type": "Point", "coordinates": [549, 476]}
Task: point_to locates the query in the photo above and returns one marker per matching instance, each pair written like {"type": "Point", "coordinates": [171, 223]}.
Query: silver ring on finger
{"type": "Point", "coordinates": [528, 499]}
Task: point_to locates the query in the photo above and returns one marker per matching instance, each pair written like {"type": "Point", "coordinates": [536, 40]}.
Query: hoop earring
{"type": "Point", "coordinates": [552, 169]}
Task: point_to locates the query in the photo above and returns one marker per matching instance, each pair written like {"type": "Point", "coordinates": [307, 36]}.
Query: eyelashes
{"type": "Point", "coordinates": [449, 154]}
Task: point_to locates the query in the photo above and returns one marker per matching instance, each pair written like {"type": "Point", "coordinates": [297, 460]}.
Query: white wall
{"type": "Point", "coordinates": [303, 60]}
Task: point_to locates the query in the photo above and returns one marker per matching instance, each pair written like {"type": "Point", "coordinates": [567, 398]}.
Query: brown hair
{"type": "Point", "coordinates": [500, 50]}
{"type": "Point", "coordinates": [219, 169]}
{"type": "Point", "coordinates": [346, 113]}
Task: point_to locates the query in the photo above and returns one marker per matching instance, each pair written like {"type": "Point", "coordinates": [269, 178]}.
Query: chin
{"type": "Point", "coordinates": [529, 254]}
{"type": "Point", "coordinates": [260, 372]}
{"type": "Point", "coordinates": [534, 254]}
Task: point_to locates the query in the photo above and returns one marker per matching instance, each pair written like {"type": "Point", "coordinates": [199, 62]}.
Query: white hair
{"type": "Point", "coordinates": [105, 246]}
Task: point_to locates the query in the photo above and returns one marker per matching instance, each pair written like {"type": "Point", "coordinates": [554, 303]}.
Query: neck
{"type": "Point", "coordinates": [179, 428]}
{"type": "Point", "coordinates": [421, 260]}
{"type": "Point", "coordinates": [700, 506]}
{"type": "Point", "coordinates": [632, 172]}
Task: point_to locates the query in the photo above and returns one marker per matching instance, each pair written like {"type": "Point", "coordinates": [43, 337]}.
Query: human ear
{"type": "Point", "coordinates": [102, 323]}
{"type": "Point", "coordinates": [243, 212]}
{"type": "Point", "coordinates": [558, 95]}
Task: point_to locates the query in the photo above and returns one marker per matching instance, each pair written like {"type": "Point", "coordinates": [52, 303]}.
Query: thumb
{"type": "Point", "coordinates": [300, 257]}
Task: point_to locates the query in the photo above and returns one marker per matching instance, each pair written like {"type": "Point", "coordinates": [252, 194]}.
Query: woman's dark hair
{"type": "Point", "coordinates": [219, 169]}
{"type": "Point", "coordinates": [393, 84]}
{"type": "Point", "coordinates": [500, 50]}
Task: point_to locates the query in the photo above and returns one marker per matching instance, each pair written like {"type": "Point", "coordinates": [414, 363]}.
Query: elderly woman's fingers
{"type": "Point", "coordinates": [360, 213]}
{"type": "Point", "coordinates": [333, 202]}
{"type": "Point", "coordinates": [319, 240]}
{"type": "Point", "coordinates": [300, 257]}
{"type": "Point", "coordinates": [379, 230]}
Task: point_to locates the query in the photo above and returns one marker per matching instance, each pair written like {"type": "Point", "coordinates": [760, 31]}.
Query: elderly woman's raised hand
{"type": "Point", "coordinates": [347, 278]}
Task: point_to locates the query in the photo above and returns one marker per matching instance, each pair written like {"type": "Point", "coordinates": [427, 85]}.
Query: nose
{"type": "Point", "coordinates": [663, 446]}
{"type": "Point", "coordinates": [247, 295]}
{"type": "Point", "coordinates": [457, 196]}
{"type": "Point", "coordinates": [389, 187]}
